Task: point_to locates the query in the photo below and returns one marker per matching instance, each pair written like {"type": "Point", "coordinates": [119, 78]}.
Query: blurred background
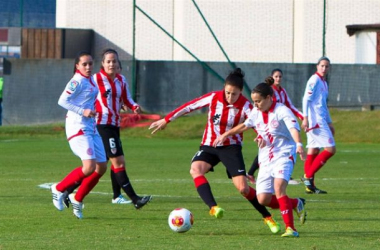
{"type": "Point", "coordinates": [175, 50]}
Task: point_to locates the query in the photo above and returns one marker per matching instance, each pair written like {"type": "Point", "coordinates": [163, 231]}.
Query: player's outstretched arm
{"type": "Point", "coordinates": [158, 125]}
{"type": "Point", "coordinates": [236, 130]}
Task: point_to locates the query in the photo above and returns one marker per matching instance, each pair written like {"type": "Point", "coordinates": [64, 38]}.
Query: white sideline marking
{"type": "Point", "coordinates": [358, 151]}
{"type": "Point", "coordinates": [10, 140]}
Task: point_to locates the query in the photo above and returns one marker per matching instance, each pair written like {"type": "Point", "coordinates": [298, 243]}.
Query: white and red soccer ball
{"type": "Point", "coordinates": [180, 220]}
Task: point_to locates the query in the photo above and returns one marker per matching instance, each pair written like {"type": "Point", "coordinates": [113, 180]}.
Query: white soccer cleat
{"type": "Point", "coordinates": [77, 206]}
{"type": "Point", "coordinates": [57, 197]}
{"type": "Point", "coordinates": [121, 200]}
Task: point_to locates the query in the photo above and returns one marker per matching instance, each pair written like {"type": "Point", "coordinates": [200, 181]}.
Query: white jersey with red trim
{"type": "Point", "coordinates": [274, 127]}
{"type": "Point", "coordinates": [314, 103]}
{"type": "Point", "coordinates": [221, 116]}
{"type": "Point", "coordinates": [112, 94]}
{"type": "Point", "coordinates": [79, 94]}
{"type": "Point", "coordinates": [281, 96]}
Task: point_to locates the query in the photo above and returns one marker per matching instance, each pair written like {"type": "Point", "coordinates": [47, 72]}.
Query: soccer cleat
{"type": "Point", "coordinates": [121, 200]}
{"type": "Point", "coordinates": [217, 212]}
{"type": "Point", "coordinates": [65, 199]}
{"type": "Point", "coordinates": [315, 190]}
{"type": "Point", "coordinates": [289, 232]}
{"type": "Point", "coordinates": [310, 188]}
{"type": "Point", "coordinates": [300, 210]}
{"type": "Point", "coordinates": [142, 201]}
{"type": "Point", "coordinates": [77, 206]}
{"type": "Point", "coordinates": [272, 224]}
{"type": "Point", "coordinates": [57, 197]}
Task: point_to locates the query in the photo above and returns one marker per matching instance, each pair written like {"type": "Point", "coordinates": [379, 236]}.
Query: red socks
{"type": "Point", "coordinates": [251, 195]}
{"type": "Point", "coordinates": [87, 185]}
{"type": "Point", "coordinates": [309, 160]}
{"type": "Point", "coordinates": [200, 180]}
{"type": "Point", "coordinates": [286, 211]}
{"type": "Point", "coordinates": [71, 179]}
{"type": "Point", "coordinates": [274, 203]}
{"type": "Point", "coordinates": [317, 163]}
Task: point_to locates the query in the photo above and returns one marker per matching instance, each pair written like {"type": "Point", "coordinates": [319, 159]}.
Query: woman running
{"type": "Point", "coordinates": [276, 124]}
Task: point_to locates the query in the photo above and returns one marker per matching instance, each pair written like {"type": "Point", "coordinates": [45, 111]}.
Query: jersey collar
{"type": "Point", "coordinates": [271, 107]}
{"type": "Point", "coordinates": [323, 79]}
{"type": "Point", "coordinates": [77, 71]}
{"type": "Point", "coordinates": [237, 104]}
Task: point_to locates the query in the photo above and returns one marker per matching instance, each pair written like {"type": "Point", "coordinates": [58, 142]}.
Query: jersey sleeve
{"type": "Point", "coordinates": [288, 117]}
{"type": "Point", "coordinates": [288, 103]}
{"type": "Point", "coordinates": [190, 106]}
{"type": "Point", "coordinates": [69, 93]}
{"type": "Point", "coordinates": [309, 94]}
{"type": "Point", "coordinates": [250, 121]}
{"type": "Point", "coordinates": [126, 95]}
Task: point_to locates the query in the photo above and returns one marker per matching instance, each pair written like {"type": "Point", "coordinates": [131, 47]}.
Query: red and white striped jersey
{"type": "Point", "coordinates": [113, 93]}
{"type": "Point", "coordinates": [281, 96]}
{"type": "Point", "coordinates": [221, 116]}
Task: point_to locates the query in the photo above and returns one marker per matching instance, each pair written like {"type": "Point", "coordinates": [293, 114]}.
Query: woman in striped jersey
{"type": "Point", "coordinates": [78, 98]}
{"type": "Point", "coordinates": [227, 109]}
{"type": "Point", "coordinates": [317, 125]}
{"type": "Point", "coordinates": [113, 94]}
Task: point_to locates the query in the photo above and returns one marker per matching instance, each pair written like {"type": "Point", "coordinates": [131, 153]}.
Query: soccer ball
{"type": "Point", "coordinates": [180, 220]}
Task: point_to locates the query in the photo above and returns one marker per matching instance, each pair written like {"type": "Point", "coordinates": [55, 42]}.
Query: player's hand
{"type": "Point", "coordinates": [158, 125]}
{"type": "Point", "coordinates": [137, 110]}
{"type": "Point", "coordinates": [301, 152]}
{"type": "Point", "coordinates": [89, 113]}
{"type": "Point", "coordinates": [260, 142]}
{"type": "Point", "coordinates": [219, 140]}
{"type": "Point", "coordinates": [251, 179]}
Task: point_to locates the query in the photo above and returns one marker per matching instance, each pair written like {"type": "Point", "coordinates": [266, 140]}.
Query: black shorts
{"type": "Point", "coordinates": [111, 139]}
{"type": "Point", "coordinates": [231, 157]}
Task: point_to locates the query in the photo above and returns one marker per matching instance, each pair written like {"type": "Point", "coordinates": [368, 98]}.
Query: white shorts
{"type": "Point", "coordinates": [280, 168]}
{"type": "Point", "coordinates": [88, 147]}
{"type": "Point", "coordinates": [320, 138]}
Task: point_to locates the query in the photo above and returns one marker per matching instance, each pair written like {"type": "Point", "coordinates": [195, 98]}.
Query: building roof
{"type": "Point", "coordinates": [352, 29]}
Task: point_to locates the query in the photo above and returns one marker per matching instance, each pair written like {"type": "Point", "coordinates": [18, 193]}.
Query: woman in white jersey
{"type": "Point", "coordinates": [114, 95]}
{"type": "Point", "coordinates": [317, 125]}
{"type": "Point", "coordinates": [276, 124]}
{"type": "Point", "coordinates": [279, 95]}
{"type": "Point", "coordinates": [79, 98]}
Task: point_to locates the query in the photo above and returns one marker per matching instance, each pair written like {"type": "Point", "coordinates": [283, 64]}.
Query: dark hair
{"type": "Point", "coordinates": [323, 58]}
{"type": "Point", "coordinates": [276, 70]}
{"type": "Point", "coordinates": [263, 89]}
{"type": "Point", "coordinates": [119, 64]}
{"type": "Point", "coordinates": [235, 78]}
{"type": "Point", "coordinates": [269, 80]}
{"type": "Point", "coordinates": [77, 59]}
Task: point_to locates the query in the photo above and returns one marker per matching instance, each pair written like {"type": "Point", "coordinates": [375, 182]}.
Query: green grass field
{"type": "Point", "coordinates": [346, 218]}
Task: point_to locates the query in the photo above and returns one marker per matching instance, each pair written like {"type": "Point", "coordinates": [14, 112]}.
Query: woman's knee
{"type": "Point", "coordinates": [263, 199]}
{"type": "Point", "coordinates": [197, 169]}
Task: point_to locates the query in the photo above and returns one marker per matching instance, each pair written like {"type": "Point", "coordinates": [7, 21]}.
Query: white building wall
{"type": "Point", "coordinates": [366, 47]}
{"type": "Point", "coordinates": [248, 30]}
